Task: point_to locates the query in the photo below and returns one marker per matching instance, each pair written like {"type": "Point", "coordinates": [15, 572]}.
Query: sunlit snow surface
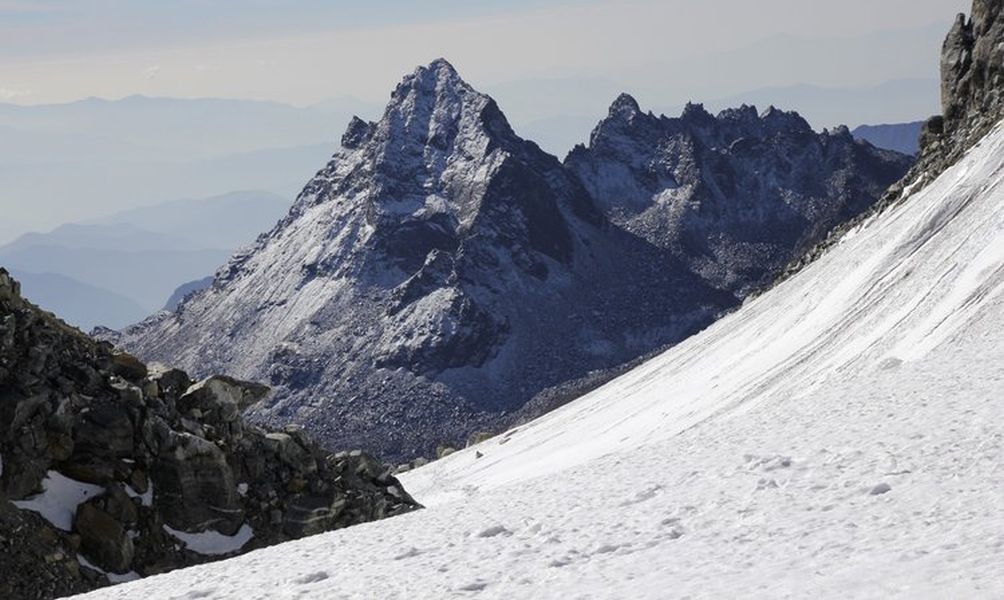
{"type": "Point", "coordinates": [840, 436]}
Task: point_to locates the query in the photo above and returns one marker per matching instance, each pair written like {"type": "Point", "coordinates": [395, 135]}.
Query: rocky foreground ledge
{"type": "Point", "coordinates": [111, 470]}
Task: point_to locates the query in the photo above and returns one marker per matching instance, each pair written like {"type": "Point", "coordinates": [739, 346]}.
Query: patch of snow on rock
{"type": "Point", "coordinates": [60, 499]}
{"type": "Point", "coordinates": [213, 543]}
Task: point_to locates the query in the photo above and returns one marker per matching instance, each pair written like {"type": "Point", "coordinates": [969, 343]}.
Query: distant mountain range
{"type": "Point", "coordinates": [901, 137]}
{"type": "Point", "coordinates": [826, 107]}
{"type": "Point", "coordinates": [133, 261]}
{"type": "Point", "coordinates": [442, 275]}
{"type": "Point", "coordinates": [820, 77]}
{"type": "Point", "coordinates": [140, 151]}
{"type": "Point", "coordinates": [173, 128]}
{"type": "Point", "coordinates": [76, 302]}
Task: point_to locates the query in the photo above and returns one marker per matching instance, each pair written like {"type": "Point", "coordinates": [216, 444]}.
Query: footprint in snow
{"type": "Point", "coordinates": [477, 586]}
{"type": "Point", "coordinates": [767, 463]}
{"type": "Point", "coordinates": [674, 530]}
{"type": "Point", "coordinates": [767, 484]}
{"type": "Point", "coordinates": [493, 531]}
{"type": "Point", "coordinates": [643, 495]}
{"type": "Point", "coordinates": [606, 549]}
{"type": "Point", "coordinates": [409, 553]}
{"type": "Point", "coordinates": [880, 489]}
{"type": "Point", "coordinates": [890, 363]}
{"type": "Point", "coordinates": [312, 578]}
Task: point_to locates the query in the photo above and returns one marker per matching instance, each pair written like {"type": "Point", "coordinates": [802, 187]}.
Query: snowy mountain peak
{"type": "Point", "coordinates": [777, 120]}
{"type": "Point", "coordinates": [440, 67]}
{"type": "Point", "coordinates": [416, 271]}
{"type": "Point", "coordinates": [625, 107]}
{"type": "Point", "coordinates": [428, 102]}
{"type": "Point", "coordinates": [437, 79]}
{"type": "Point", "coordinates": [357, 133]}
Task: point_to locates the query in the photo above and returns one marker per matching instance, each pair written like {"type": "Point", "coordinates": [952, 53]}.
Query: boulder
{"type": "Point", "coordinates": [220, 401]}
{"type": "Point", "coordinates": [92, 469]}
{"type": "Point", "coordinates": [103, 540]}
{"type": "Point", "coordinates": [196, 488]}
{"type": "Point", "coordinates": [171, 382]}
{"type": "Point", "coordinates": [127, 366]}
{"type": "Point", "coordinates": [290, 453]}
{"type": "Point", "coordinates": [104, 431]}
{"type": "Point", "coordinates": [310, 515]}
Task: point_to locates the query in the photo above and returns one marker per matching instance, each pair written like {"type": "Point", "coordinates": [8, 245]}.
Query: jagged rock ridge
{"type": "Point", "coordinates": [736, 195]}
{"type": "Point", "coordinates": [441, 272]}
{"type": "Point", "coordinates": [111, 470]}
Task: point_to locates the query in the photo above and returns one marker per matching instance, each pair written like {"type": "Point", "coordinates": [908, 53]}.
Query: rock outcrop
{"type": "Point", "coordinates": [972, 98]}
{"type": "Point", "coordinates": [972, 92]}
{"type": "Point", "coordinates": [972, 82]}
{"type": "Point", "coordinates": [111, 470]}
{"type": "Point", "coordinates": [442, 276]}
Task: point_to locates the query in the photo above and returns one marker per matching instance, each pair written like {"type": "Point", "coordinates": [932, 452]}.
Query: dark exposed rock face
{"type": "Point", "coordinates": [972, 89]}
{"type": "Point", "coordinates": [129, 455]}
{"type": "Point", "coordinates": [104, 538]}
{"type": "Point", "coordinates": [734, 196]}
{"type": "Point", "coordinates": [972, 67]}
{"type": "Point", "coordinates": [441, 274]}
{"type": "Point", "coordinates": [901, 137]}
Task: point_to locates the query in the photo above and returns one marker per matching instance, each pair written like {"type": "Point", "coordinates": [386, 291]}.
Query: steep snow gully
{"type": "Point", "coordinates": [839, 436]}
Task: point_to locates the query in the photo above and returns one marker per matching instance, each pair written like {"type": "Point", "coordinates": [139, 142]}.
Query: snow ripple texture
{"type": "Point", "coordinates": [839, 436]}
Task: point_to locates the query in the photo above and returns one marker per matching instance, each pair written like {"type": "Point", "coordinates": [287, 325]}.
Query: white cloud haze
{"type": "Point", "coordinates": [307, 51]}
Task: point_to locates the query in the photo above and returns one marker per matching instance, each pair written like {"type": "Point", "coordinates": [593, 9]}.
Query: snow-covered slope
{"type": "Point", "coordinates": [839, 436]}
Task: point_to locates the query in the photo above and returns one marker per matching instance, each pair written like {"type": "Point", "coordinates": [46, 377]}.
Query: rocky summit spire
{"type": "Point", "coordinates": [625, 106]}
{"type": "Point", "coordinates": [972, 93]}
{"type": "Point", "coordinates": [438, 78]}
{"type": "Point", "coordinates": [357, 133]}
{"type": "Point", "coordinates": [972, 66]}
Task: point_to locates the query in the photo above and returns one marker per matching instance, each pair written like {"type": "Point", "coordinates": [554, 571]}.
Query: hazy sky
{"type": "Point", "coordinates": [309, 50]}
